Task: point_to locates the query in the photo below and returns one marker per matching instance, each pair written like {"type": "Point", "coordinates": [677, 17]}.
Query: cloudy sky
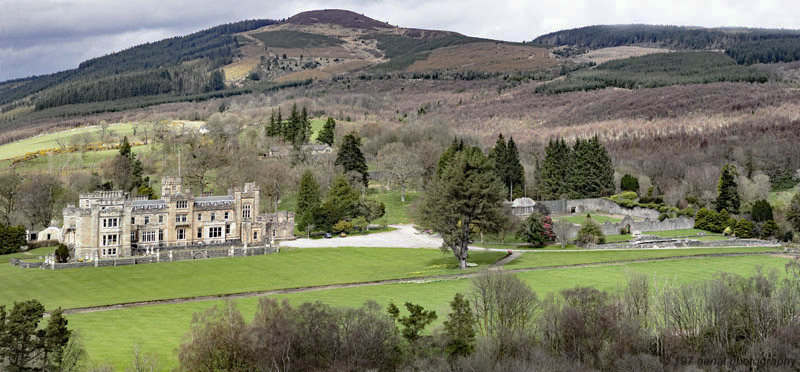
{"type": "Point", "coordinates": [43, 36]}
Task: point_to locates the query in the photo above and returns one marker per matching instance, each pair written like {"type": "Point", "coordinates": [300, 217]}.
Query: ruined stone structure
{"type": "Point", "coordinates": [108, 224]}
{"type": "Point", "coordinates": [583, 206]}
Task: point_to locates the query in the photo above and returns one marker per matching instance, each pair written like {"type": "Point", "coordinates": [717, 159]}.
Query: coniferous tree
{"type": "Point", "coordinates": [308, 199]}
{"type": "Point", "coordinates": [728, 190]}
{"type": "Point", "coordinates": [447, 155]}
{"type": "Point", "coordinates": [351, 158]}
{"type": "Point", "coordinates": [460, 327]}
{"type": "Point", "coordinates": [762, 211]}
{"type": "Point", "coordinates": [505, 157]}
{"type": "Point", "coordinates": [629, 183]}
{"type": "Point", "coordinates": [290, 129]}
{"type": "Point", "coordinates": [303, 128]}
{"type": "Point", "coordinates": [516, 172]}
{"type": "Point", "coordinates": [326, 134]}
{"type": "Point", "coordinates": [554, 171]}
{"type": "Point", "coordinates": [465, 198]}
{"type": "Point", "coordinates": [591, 171]}
{"type": "Point", "coordinates": [793, 214]}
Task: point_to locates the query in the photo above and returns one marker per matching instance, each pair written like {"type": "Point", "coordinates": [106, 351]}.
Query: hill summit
{"type": "Point", "coordinates": [344, 18]}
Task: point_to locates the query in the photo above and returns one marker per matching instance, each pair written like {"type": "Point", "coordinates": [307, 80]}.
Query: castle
{"type": "Point", "coordinates": [109, 224]}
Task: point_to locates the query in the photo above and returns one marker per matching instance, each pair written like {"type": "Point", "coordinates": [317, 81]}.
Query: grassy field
{"type": "Point", "coordinates": [31, 254]}
{"type": "Point", "coordinates": [397, 211]}
{"type": "Point", "coordinates": [56, 139]}
{"type": "Point", "coordinates": [544, 259]}
{"type": "Point", "coordinates": [109, 336]}
{"type": "Point", "coordinates": [781, 199]}
{"type": "Point", "coordinates": [290, 268]}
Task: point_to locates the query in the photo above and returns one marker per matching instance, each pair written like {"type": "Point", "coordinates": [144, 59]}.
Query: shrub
{"type": "Point", "coordinates": [762, 211]}
{"type": "Point", "coordinates": [342, 226]}
{"type": "Point", "coordinates": [770, 230]}
{"type": "Point", "coordinates": [728, 231]}
{"type": "Point", "coordinates": [688, 212]}
{"type": "Point", "coordinates": [793, 214]}
{"type": "Point", "coordinates": [626, 196]}
{"type": "Point", "coordinates": [536, 229]}
{"type": "Point", "coordinates": [590, 233]}
{"type": "Point", "coordinates": [11, 238]}
{"type": "Point", "coordinates": [744, 229]}
{"type": "Point", "coordinates": [360, 223]}
{"type": "Point", "coordinates": [663, 216]}
{"type": "Point", "coordinates": [62, 253]}
{"type": "Point", "coordinates": [629, 183]}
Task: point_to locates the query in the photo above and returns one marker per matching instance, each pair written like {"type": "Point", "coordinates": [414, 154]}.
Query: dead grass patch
{"type": "Point", "coordinates": [486, 57]}
{"type": "Point", "coordinates": [304, 75]}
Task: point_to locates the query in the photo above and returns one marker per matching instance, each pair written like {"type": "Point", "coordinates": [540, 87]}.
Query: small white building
{"type": "Point", "coordinates": [50, 233]}
{"type": "Point", "coordinates": [523, 206]}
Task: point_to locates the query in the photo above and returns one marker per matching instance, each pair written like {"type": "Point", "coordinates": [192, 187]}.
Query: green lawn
{"type": "Point", "coordinates": [544, 259]}
{"type": "Point", "coordinates": [290, 268]}
{"type": "Point", "coordinates": [51, 140]}
{"type": "Point", "coordinates": [578, 219]}
{"type": "Point", "coordinates": [31, 254]}
{"type": "Point", "coordinates": [396, 210]}
{"type": "Point", "coordinates": [109, 336]}
{"type": "Point", "coordinates": [91, 160]}
{"type": "Point", "coordinates": [781, 199]}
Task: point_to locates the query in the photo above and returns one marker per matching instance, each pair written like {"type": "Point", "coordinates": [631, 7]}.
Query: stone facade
{"type": "Point", "coordinates": [108, 224]}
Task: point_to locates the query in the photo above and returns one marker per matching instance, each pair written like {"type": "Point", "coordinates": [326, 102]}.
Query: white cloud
{"type": "Point", "coordinates": [42, 36]}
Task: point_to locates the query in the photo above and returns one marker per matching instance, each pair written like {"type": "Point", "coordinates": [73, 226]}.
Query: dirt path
{"type": "Point", "coordinates": [423, 279]}
{"type": "Point", "coordinates": [505, 260]}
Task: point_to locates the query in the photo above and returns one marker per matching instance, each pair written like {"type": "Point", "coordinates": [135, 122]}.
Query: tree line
{"type": "Point", "coordinates": [657, 70]}
{"type": "Point", "coordinates": [500, 324]}
{"type": "Point", "coordinates": [675, 37]}
{"type": "Point", "coordinates": [583, 170]}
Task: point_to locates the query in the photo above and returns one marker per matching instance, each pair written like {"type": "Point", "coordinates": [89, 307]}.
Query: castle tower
{"type": "Point", "coordinates": [171, 185]}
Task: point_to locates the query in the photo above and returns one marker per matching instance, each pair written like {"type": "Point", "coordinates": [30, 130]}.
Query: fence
{"type": "Point", "coordinates": [165, 256]}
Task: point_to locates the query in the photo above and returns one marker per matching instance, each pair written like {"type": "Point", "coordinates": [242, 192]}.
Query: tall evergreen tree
{"type": "Point", "coordinates": [303, 128]}
{"type": "Point", "coordinates": [505, 157]}
{"type": "Point", "coordinates": [793, 214]}
{"type": "Point", "coordinates": [515, 176]}
{"type": "Point", "coordinates": [554, 171]}
{"type": "Point", "coordinates": [460, 326]}
{"type": "Point", "coordinates": [290, 129]}
{"type": "Point", "coordinates": [448, 155]}
{"type": "Point", "coordinates": [351, 158]}
{"type": "Point", "coordinates": [326, 134]}
{"type": "Point", "coordinates": [728, 190]}
{"type": "Point", "coordinates": [308, 199]}
{"type": "Point", "coordinates": [464, 199]}
{"type": "Point", "coordinates": [591, 172]}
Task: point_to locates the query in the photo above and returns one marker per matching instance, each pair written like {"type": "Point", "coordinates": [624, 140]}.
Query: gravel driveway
{"type": "Point", "coordinates": [406, 236]}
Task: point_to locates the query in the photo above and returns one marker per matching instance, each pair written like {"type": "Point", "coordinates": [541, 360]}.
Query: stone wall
{"type": "Point", "coordinates": [682, 243]}
{"type": "Point", "coordinates": [583, 206]}
{"type": "Point", "coordinates": [165, 256]}
{"type": "Point", "coordinates": [668, 224]}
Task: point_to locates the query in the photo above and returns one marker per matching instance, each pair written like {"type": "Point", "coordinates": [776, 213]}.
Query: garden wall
{"type": "Point", "coordinates": [611, 228]}
{"type": "Point", "coordinates": [581, 206]}
{"type": "Point", "coordinates": [165, 256]}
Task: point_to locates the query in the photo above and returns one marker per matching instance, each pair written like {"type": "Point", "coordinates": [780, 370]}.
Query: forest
{"type": "Point", "coordinates": [674, 37]}
{"type": "Point", "coordinates": [765, 51]}
{"type": "Point", "coordinates": [95, 79]}
{"type": "Point", "coordinates": [657, 70]}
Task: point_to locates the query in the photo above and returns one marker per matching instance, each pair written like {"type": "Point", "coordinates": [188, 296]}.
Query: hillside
{"type": "Point", "coordinates": [247, 57]}
{"type": "Point", "coordinates": [745, 45]}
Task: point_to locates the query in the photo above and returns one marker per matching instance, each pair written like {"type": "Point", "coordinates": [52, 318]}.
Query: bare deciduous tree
{"type": "Point", "coordinates": [562, 229]}
{"type": "Point", "coordinates": [401, 164]}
